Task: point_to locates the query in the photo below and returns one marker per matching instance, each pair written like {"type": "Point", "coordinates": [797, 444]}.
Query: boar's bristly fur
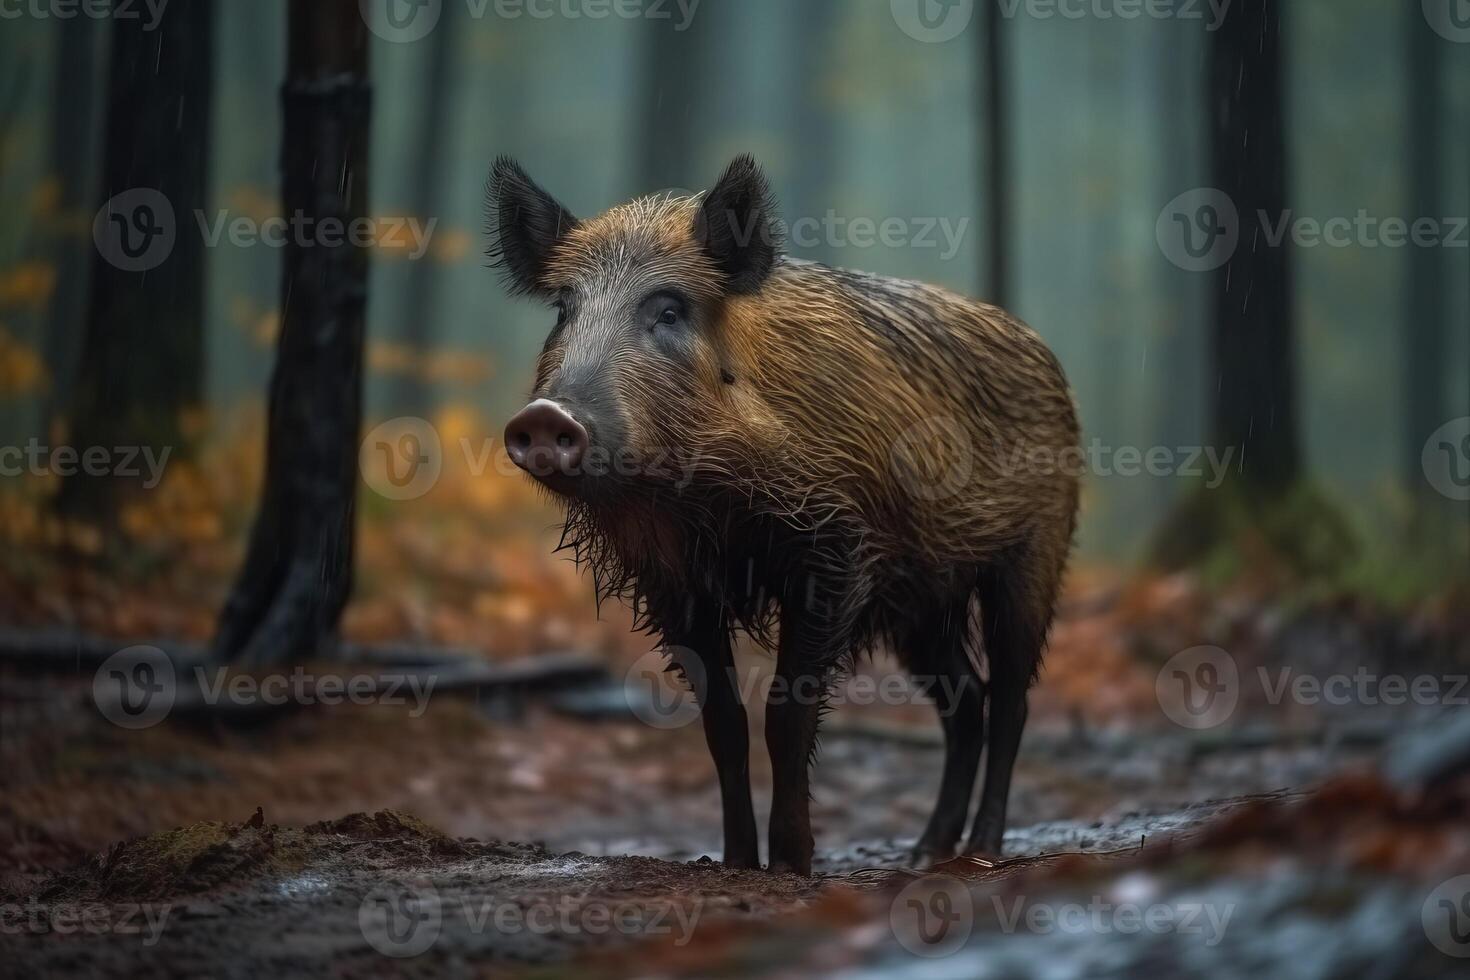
{"type": "Point", "coordinates": [826, 460]}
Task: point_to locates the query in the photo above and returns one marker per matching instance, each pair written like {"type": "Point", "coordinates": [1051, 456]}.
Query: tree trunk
{"type": "Point", "coordinates": [1254, 350]}
{"type": "Point", "coordinates": [1424, 309]}
{"type": "Point", "coordinates": [409, 392]}
{"type": "Point", "coordinates": [1264, 506]}
{"type": "Point", "coordinates": [298, 569]}
{"type": "Point", "coordinates": [814, 27]}
{"type": "Point", "coordinates": [997, 277]}
{"type": "Point", "coordinates": [74, 95]}
{"type": "Point", "coordinates": [142, 354]}
{"type": "Point", "coordinates": [1177, 405]}
{"type": "Point", "coordinates": [674, 67]}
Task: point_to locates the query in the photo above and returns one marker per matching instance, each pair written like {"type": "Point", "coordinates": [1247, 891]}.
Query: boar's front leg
{"type": "Point", "coordinates": [727, 734]}
{"type": "Point", "coordinates": [793, 709]}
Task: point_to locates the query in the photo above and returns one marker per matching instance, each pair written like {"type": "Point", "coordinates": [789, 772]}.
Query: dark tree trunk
{"type": "Point", "coordinates": [74, 93]}
{"type": "Point", "coordinates": [142, 355]}
{"type": "Point", "coordinates": [298, 569]}
{"type": "Point", "coordinates": [816, 124]}
{"type": "Point", "coordinates": [997, 156]}
{"type": "Point", "coordinates": [1178, 353]}
{"type": "Point", "coordinates": [1424, 310]}
{"type": "Point", "coordinates": [410, 393]}
{"type": "Point", "coordinates": [1264, 504]}
{"type": "Point", "coordinates": [674, 66]}
{"type": "Point", "coordinates": [1254, 350]}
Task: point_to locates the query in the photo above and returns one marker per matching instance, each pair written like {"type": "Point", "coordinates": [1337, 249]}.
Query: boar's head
{"type": "Point", "coordinates": [633, 382]}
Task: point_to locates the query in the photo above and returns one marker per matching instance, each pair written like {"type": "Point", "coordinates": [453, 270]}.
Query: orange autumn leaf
{"type": "Point", "coordinates": [28, 285]}
{"type": "Point", "coordinates": [22, 371]}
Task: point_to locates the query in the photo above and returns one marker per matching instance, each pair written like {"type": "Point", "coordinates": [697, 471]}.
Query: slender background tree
{"type": "Point", "coordinates": [73, 169]}
{"type": "Point", "coordinates": [1425, 316]}
{"type": "Point", "coordinates": [297, 575]}
{"type": "Point", "coordinates": [1253, 341]}
{"type": "Point", "coordinates": [996, 153]}
{"type": "Point", "coordinates": [142, 354]}
{"type": "Point", "coordinates": [411, 393]}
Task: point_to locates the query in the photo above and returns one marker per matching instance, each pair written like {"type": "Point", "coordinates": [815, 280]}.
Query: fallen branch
{"type": "Point", "coordinates": [67, 649]}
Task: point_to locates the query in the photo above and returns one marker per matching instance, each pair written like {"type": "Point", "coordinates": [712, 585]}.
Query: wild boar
{"type": "Point", "coordinates": [738, 439]}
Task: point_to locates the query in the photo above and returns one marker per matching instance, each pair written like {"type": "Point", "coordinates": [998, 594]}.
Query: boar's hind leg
{"type": "Point", "coordinates": [1016, 597]}
{"type": "Point", "coordinates": [940, 663]}
{"type": "Point", "coordinates": [728, 737]}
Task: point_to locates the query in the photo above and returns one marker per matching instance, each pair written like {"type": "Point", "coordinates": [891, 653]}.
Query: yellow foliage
{"type": "Point", "coordinates": [255, 203]}
{"type": "Point", "coordinates": [469, 565]}
{"type": "Point", "coordinates": [451, 245]}
{"type": "Point", "coordinates": [429, 366]}
{"type": "Point", "coordinates": [22, 371]}
{"type": "Point", "coordinates": [29, 284]}
{"type": "Point", "coordinates": [400, 236]}
{"type": "Point", "coordinates": [46, 197]}
{"type": "Point", "coordinates": [261, 325]}
{"type": "Point", "coordinates": [266, 328]}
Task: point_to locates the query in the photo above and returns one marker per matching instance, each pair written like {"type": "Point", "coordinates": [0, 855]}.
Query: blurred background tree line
{"type": "Point", "coordinates": [1058, 139]}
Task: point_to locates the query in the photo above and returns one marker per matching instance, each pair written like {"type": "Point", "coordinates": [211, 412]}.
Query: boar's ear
{"type": "Point", "coordinates": [736, 225]}
{"type": "Point", "coordinates": [523, 222]}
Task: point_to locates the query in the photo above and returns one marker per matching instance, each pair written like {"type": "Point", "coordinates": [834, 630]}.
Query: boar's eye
{"type": "Point", "coordinates": [663, 310]}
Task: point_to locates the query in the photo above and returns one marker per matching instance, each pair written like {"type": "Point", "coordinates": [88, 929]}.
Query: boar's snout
{"type": "Point", "coordinates": [544, 440]}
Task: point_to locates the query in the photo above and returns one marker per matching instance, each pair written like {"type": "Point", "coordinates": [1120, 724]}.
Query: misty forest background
{"type": "Point", "coordinates": [1102, 122]}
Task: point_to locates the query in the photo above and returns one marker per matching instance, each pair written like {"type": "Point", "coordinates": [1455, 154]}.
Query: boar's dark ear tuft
{"type": "Point", "coordinates": [523, 222]}
{"type": "Point", "coordinates": [737, 226]}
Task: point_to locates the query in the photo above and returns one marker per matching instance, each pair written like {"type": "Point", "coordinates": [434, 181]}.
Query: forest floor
{"type": "Point", "coordinates": [474, 833]}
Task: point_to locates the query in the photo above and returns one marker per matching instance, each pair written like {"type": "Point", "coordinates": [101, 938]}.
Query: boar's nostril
{"type": "Point", "coordinates": [544, 440]}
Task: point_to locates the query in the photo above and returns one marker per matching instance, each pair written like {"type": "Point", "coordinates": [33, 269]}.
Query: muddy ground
{"type": "Point", "coordinates": [558, 833]}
